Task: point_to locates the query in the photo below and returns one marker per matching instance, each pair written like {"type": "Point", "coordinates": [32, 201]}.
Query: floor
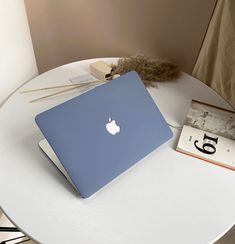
{"type": "Point", "coordinates": [228, 238]}
{"type": "Point", "coordinates": [4, 222]}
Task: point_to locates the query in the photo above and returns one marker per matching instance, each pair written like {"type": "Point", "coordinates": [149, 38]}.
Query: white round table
{"type": "Point", "coordinates": [166, 198]}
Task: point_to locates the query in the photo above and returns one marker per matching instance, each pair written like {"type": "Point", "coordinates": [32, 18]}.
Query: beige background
{"type": "Point", "coordinates": [216, 63]}
{"type": "Point", "coordinates": [66, 31]}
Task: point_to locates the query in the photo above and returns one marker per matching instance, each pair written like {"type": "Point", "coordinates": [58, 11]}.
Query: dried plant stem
{"type": "Point", "coordinates": [66, 90]}
{"type": "Point", "coordinates": [53, 94]}
{"type": "Point", "coordinates": [49, 88]}
{"type": "Point", "coordinates": [63, 86]}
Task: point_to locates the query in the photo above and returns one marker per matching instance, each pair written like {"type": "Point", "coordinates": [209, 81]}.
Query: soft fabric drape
{"type": "Point", "coordinates": [216, 61]}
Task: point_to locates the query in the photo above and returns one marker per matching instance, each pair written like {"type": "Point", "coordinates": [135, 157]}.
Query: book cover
{"type": "Point", "coordinates": [209, 134]}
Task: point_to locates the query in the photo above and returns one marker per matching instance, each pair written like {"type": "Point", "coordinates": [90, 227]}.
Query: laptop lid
{"type": "Point", "coordinates": [101, 133]}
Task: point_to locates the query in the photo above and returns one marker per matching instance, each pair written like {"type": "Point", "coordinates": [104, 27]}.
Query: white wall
{"type": "Point", "coordinates": [17, 60]}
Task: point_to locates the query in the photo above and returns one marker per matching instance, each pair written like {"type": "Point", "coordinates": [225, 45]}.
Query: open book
{"type": "Point", "coordinates": [209, 134]}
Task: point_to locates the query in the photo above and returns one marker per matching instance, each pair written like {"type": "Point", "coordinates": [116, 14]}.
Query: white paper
{"type": "Point", "coordinates": [192, 137]}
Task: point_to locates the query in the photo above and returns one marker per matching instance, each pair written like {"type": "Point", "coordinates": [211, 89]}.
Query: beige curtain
{"type": "Point", "coordinates": [216, 61]}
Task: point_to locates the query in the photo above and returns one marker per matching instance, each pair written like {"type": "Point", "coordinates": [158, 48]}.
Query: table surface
{"type": "Point", "coordinates": [166, 198]}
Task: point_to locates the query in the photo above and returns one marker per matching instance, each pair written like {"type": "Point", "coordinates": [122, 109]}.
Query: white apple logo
{"type": "Point", "coordinates": [112, 127]}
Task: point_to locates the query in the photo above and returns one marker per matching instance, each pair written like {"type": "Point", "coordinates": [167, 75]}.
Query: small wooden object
{"type": "Point", "coordinates": [100, 70]}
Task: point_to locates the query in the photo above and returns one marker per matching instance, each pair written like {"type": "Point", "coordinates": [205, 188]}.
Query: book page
{"type": "Point", "coordinates": [208, 146]}
{"type": "Point", "coordinates": [211, 119]}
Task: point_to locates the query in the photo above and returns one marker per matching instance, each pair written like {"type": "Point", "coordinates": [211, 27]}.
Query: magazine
{"type": "Point", "coordinates": [209, 134]}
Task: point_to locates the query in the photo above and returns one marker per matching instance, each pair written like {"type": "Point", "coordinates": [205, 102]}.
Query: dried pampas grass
{"type": "Point", "coordinates": [149, 70]}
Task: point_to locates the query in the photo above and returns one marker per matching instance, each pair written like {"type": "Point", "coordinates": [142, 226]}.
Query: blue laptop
{"type": "Point", "coordinates": [98, 135]}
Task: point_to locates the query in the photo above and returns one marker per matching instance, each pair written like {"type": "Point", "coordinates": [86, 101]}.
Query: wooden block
{"type": "Point", "coordinates": [100, 70]}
